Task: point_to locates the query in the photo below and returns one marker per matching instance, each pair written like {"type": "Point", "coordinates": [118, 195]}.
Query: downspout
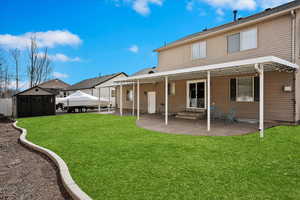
{"type": "Point", "coordinates": [293, 31]}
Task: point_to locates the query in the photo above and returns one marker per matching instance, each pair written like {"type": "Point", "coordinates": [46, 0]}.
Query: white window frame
{"type": "Point", "coordinates": [188, 92]}
{"type": "Point", "coordinates": [198, 44]}
{"type": "Point", "coordinates": [236, 88]}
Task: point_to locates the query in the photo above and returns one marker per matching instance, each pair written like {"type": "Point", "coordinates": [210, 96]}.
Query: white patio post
{"type": "Point", "coordinates": [99, 106]}
{"type": "Point", "coordinates": [208, 100]}
{"type": "Point", "coordinates": [121, 99]}
{"type": "Point", "coordinates": [133, 97]}
{"type": "Point", "coordinates": [261, 101]}
{"type": "Point", "coordinates": [138, 100]}
{"type": "Point", "coordinates": [109, 98]}
{"type": "Point", "coordinates": [166, 100]}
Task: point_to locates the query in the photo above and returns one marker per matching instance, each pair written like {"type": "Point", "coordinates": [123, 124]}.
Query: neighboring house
{"type": "Point", "coordinates": [252, 65]}
{"type": "Point", "coordinates": [57, 86]}
{"type": "Point", "coordinates": [100, 86]}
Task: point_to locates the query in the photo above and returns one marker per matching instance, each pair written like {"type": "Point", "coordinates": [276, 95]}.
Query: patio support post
{"type": "Point", "coordinates": [133, 97]}
{"type": "Point", "coordinates": [138, 100]}
{"type": "Point", "coordinates": [99, 106]}
{"type": "Point", "coordinates": [261, 101]}
{"type": "Point", "coordinates": [208, 100]}
{"type": "Point", "coordinates": [166, 100]}
{"type": "Point", "coordinates": [109, 97]}
{"type": "Point", "coordinates": [121, 99]}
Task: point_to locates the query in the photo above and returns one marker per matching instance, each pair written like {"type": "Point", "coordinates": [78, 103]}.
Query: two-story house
{"type": "Point", "coordinates": [249, 65]}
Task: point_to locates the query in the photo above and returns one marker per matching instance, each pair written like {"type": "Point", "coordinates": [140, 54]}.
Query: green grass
{"type": "Point", "coordinates": [111, 158]}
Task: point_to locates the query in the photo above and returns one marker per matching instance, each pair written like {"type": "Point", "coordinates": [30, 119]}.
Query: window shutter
{"type": "Point", "coordinates": [256, 88]}
{"type": "Point", "coordinates": [233, 43]}
{"type": "Point", "coordinates": [202, 49]}
{"type": "Point", "coordinates": [195, 51]}
{"type": "Point", "coordinates": [199, 50]}
{"type": "Point", "coordinates": [233, 89]}
{"type": "Point", "coordinates": [249, 39]}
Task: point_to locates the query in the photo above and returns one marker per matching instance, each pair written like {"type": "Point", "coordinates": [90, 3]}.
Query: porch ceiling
{"type": "Point", "coordinates": [270, 63]}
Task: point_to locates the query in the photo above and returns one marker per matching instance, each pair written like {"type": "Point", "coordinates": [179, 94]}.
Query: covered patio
{"type": "Point", "coordinates": [241, 67]}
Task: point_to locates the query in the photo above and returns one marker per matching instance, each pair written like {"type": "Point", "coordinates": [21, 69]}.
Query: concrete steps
{"type": "Point", "coordinates": [190, 115]}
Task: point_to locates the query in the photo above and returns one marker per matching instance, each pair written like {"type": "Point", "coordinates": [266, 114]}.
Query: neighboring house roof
{"type": "Point", "coordinates": [54, 84]}
{"type": "Point", "coordinates": [265, 13]}
{"type": "Point", "coordinates": [149, 70]}
{"type": "Point", "coordinates": [92, 82]}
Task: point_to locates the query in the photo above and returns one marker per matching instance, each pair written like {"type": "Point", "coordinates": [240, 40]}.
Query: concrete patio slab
{"type": "Point", "coordinates": [196, 127]}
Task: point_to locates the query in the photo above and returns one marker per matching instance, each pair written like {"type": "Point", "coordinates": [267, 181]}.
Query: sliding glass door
{"type": "Point", "coordinates": [196, 94]}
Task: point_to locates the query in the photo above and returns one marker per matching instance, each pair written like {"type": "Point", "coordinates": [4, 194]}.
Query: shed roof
{"type": "Point", "coordinates": [51, 92]}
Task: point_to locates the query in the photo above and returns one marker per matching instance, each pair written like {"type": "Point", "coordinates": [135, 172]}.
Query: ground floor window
{"type": "Point", "coordinates": [129, 95]}
{"type": "Point", "coordinates": [244, 89]}
{"type": "Point", "coordinates": [196, 94]}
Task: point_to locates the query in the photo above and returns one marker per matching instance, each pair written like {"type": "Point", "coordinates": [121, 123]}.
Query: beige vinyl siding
{"type": "Point", "coordinates": [274, 38]}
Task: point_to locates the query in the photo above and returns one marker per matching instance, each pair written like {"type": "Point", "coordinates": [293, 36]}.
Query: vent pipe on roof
{"type": "Point", "coordinates": [234, 14]}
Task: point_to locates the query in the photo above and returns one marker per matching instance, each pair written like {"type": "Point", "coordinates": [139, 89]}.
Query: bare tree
{"type": "Point", "coordinates": [39, 68]}
{"type": "Point", "coordinates": [15, 53]}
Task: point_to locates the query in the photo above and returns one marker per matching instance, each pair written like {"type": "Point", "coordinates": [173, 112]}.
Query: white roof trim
{"type": "Point", "coordinates": [259, 60]}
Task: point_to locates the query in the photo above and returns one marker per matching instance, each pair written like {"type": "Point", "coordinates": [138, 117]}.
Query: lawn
{"type": "Point", "coordinates": [111, 158]}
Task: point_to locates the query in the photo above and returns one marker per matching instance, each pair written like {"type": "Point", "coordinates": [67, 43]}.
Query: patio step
{"type": "Point", "coordinates": [189, 115]}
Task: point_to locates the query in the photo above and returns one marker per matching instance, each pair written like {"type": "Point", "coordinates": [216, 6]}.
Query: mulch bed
{"type": "Point", "coordinates": [26, 174]}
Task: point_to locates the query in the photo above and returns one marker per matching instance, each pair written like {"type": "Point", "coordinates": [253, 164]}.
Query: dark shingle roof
{"type": "Point", "coordinates": [264, 13]}
{"type": "Point", "coordinates": [92, 82]}
{"type": "Point", "coordinates": [148, 70]}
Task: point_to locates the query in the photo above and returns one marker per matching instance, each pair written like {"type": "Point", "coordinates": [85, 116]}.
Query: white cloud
{"type": "Point", "coordinates": [220, 12]}
{"type": "Point", "coordinates": [63, 58]}
{"type": "Point", "coordinates": [22, 85]}
{"type": "Point", "coordinates": [60, 75]}
{"type": "Point", "coordinates": [190, 5]}
{"type": "Point", "coordinates": [225, 4]}
{"type": "Point", "coordinates": [44, 39]}
{"type": "Point", "coordinates": [233, 4]}
{"type": "Point", "coordinates": [140, 6]}
{"type": "Point", "coordinates": [272, 3]}
{"type": "Point", "coordinates": [134, 49]}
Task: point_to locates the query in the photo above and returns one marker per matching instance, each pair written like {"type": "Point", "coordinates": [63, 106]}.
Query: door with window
{"type": "Point", "coordinates": [196, 94]}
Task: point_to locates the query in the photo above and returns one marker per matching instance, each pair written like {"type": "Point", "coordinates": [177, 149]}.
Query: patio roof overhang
{"type": "Point", "coordinates": [270, 63]}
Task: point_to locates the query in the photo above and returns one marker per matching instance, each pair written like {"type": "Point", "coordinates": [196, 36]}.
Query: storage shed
{"type": "Point", "coordinates": [35, 101]}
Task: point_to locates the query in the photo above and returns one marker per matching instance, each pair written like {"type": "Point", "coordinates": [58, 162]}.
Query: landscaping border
{"type": "Point", "coordinates": [72, 188]}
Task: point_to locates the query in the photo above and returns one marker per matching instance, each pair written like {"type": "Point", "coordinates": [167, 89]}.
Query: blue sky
{"type": "Point", "coordinates": [89, 37]}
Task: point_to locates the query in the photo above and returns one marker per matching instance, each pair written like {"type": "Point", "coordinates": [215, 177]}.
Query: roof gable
{"type": "Point", "coordinates": [92, 82]}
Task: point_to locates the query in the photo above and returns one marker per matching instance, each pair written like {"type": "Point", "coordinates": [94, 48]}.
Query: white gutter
{"type": "Point", "coordinates": [253, 61]}
{"type": "Point", "coordinates": [293, 14]}
{"type": "Point", "coordinates": [174, 44]}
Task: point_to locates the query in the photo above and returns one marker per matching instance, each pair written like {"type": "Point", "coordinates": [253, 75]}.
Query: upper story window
{"type": "Point", "coordinates": [199, 50]}
{"type": "Point", "coordinates": [242, 41]}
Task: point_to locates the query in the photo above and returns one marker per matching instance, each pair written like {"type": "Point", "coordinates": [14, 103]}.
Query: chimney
{"type": "Point", "coordinates": [234, 15]}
